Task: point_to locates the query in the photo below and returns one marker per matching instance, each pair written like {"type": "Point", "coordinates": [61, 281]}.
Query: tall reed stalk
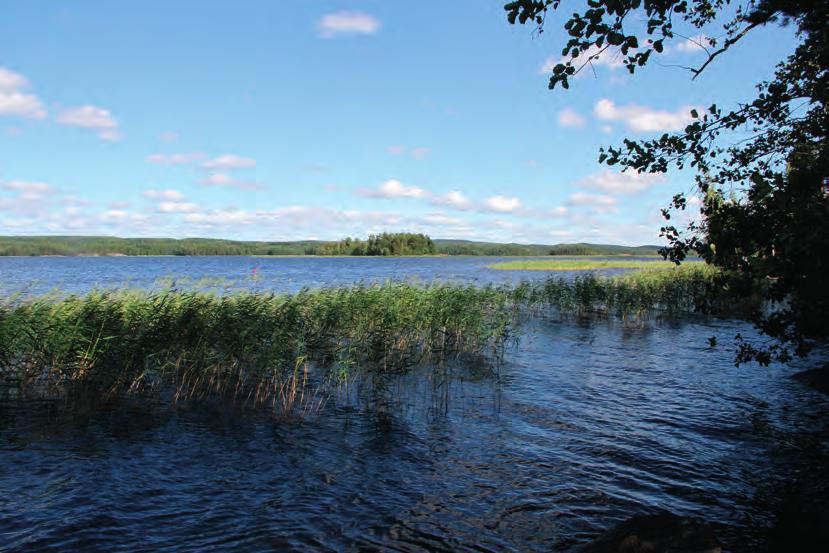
{"type": "Point", "coordinates": [255, 349]}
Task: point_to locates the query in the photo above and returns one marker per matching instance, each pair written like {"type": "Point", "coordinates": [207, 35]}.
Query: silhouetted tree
{"type": "Point", "coordinates": [763, 198]}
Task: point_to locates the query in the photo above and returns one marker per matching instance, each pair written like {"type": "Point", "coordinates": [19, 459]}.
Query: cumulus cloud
{"type": "Point", "coordinates": [177, 207]}
{"type": "Point", "coordinates": [223, 179]}
{"type": "Point", "coordinates": [167, 194]}
{"type": "Point", "coordinates": [220, 217]}
{"type": "Point", "coordinates": [14, 100]}
{"type": "Point", "coordinates": [121, 217]}
{"type": "Point", "coordinates": [229, 161]}
{"type": "Point", "coordinates": [629, 182]}
{"type": "Point", "coordinates": [452, 199]}
{"type": "Point", "coordinates": [643, 119]}
{"type": "Point", "coordinates": [501, 204]}
{"type": "Point", "coordinates": [27, 187]}
{"type": "Point", "coordinates": [174, 159]}
{"type": "Point", "coordinates": [569, 117]}
{"type": "Point", "coordinates": [698, 43]}
{"type": "Point", "coordinates": [347, 23]}
{"type": "Point", "coordinates": [93, 118]}
{"type": "Point", "coordinates": [440, 219]}
{"type": "Point", "coordinates": [392, 189]}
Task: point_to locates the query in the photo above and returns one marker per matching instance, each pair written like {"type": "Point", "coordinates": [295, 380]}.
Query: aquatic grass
{"type": "Point", "coordinates": [581, 264]}
{"type": "Point", "coordinates": [281, 351]}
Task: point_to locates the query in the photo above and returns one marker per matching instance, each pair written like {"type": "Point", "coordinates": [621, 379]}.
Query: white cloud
{"type": "Point", "coordinates": [14, 101]}
{"type": "Point", "coordinates": [9, 80]}
{"type": "Point", "coordinates": [122, 217]}
{"type": "Point", "coordinates": [177, 207]}
{"type": "Point", "coordinates": [229, 161]}
{"type": "Point", "coordinates": [609, 58]}
{"type": "Point", "coordinates": [393, 189]}
{"type": "Point", "coordinates": [26, 187]}
{"type": "Point", "coordinates": [347, 23]}
{"type": "Point", "coordinates": [569, 117]}
{"type": "Point", "coordinates": [92, 118]}
{"type": "Point", "coordinates": [223, 179]}
{"type": "Point", "coordinates": [440, 219]}
{"type": "Point", "coordinates": [629, 182]}
{"type": "Point", "coordinates": [175, 159]}
{"type": "Point", "coordinates": [168, 195]}
{"type": "Point", "coordinates": [452, 199]}
{"type": "Point", "coordinates": [417, 154]}
{"type": "Point", "coordinates": [220, 217]}
{"type": "Point", "coordinates": [640, 118]}
{"type": "Point", "coordinates": [694, 44]}
{"type": "Point", "coordinates": [17, 223]}
{"type": "Point", "coordinates": [501, 204]}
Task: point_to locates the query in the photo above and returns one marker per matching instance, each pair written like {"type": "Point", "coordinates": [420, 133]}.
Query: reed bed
{"type": "Point", "coordinates": [582, 264]}
{"type": "Point", "coordinates": [280, 350]}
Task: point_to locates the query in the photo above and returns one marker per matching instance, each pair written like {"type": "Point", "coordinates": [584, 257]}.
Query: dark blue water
{"type": "Point", "coordinates": [38, 275]}
{"type": "Point", "coordinates": [583, 426]}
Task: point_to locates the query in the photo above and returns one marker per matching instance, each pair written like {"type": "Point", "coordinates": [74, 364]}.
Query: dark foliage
{"type": "Point", "coordinates": [762, 166]}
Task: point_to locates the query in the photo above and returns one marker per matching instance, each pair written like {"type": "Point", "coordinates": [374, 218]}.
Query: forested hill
{"type": "Point", "coordinates": [393, 244]}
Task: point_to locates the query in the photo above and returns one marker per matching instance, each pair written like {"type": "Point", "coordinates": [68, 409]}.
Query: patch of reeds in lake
{"type": "Point", "coordinates": [279, 350]}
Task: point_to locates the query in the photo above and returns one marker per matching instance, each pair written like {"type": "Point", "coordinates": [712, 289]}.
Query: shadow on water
{"type": "Point", "coordinates": [584, 425]}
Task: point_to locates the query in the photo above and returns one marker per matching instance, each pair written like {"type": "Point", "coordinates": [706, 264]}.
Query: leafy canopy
{"type": "Point", "coordinates": [762, 167]}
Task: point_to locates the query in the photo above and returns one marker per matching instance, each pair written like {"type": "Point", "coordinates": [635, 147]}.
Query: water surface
{"type": "Point", "coordinates": [584, 425]}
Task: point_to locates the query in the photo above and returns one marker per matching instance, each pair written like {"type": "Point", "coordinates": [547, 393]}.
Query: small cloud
{"type": "Point", "coordinates": [607, 129]}
{"type": "Point", "coordinates": [643, 119]}
{"type": "Point", "coordinates": [628, 182]}
{"type": "Point", "coordinates": [168, 136]}
{"type": "Point", "coordinates": [501, 204]}
{"type": "Point", "coordinates": [393, 189]}
{"type": "Point", "coordinates": [92, 118]}
{"type": "Point", "coordinates": [419, 153]}
{"type": "Point", "coordinates": [168, 194]}
{"type": "Point", "coordinates": [14, 100]}
{"type": "Point", "coordinates": [175, 159]}
{"type": "Point", "coordinates": [27, 187]}
{"type": "Point", "coordinates": [698, 43]}
{"type": "Point", "coordinates": [439, 219]}
{"type": "Point", "coordinates": [229, 161]}
{"type": "Point", "coordinates": [570, 118]}
{"type": "Point", "coordinates": [452, 199]}
{"type": "Point", "coordinates": [219, 217]}
{"type": "Point", "coordinates": [347, 23]}
{"type": "Point", "coordinates": [177, 207]}
{"type": "Point", "coordinates": [223, 179]}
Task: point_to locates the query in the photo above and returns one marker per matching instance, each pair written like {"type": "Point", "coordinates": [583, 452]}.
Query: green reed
{"type": "Point", "coordinates": [256, 348]}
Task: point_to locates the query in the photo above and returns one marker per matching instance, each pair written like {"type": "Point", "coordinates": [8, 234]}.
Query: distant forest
{"type": "Point", "coordinates": [401, 243]}
{"type": "Point", "coordinates": [376, 245]}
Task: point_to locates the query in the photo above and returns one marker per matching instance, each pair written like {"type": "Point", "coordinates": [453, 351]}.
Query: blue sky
{"type": "Point", "coordinates": [262, 119]}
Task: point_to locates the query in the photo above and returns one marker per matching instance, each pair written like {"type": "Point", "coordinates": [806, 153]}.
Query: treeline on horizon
{"type": "Point", "coordinates": [383, 244]}
{"type": "Point", "coordinates": [400, 243]}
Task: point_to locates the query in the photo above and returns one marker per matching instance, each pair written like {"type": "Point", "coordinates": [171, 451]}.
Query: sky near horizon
{"type": "Point", "coordinates": [270, 120]}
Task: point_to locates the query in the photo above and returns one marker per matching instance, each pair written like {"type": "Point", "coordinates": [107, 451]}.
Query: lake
{"type": "Point", "coordinates": [38, 275]}
{"type": "Point", "coordinates": [583, 425]}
